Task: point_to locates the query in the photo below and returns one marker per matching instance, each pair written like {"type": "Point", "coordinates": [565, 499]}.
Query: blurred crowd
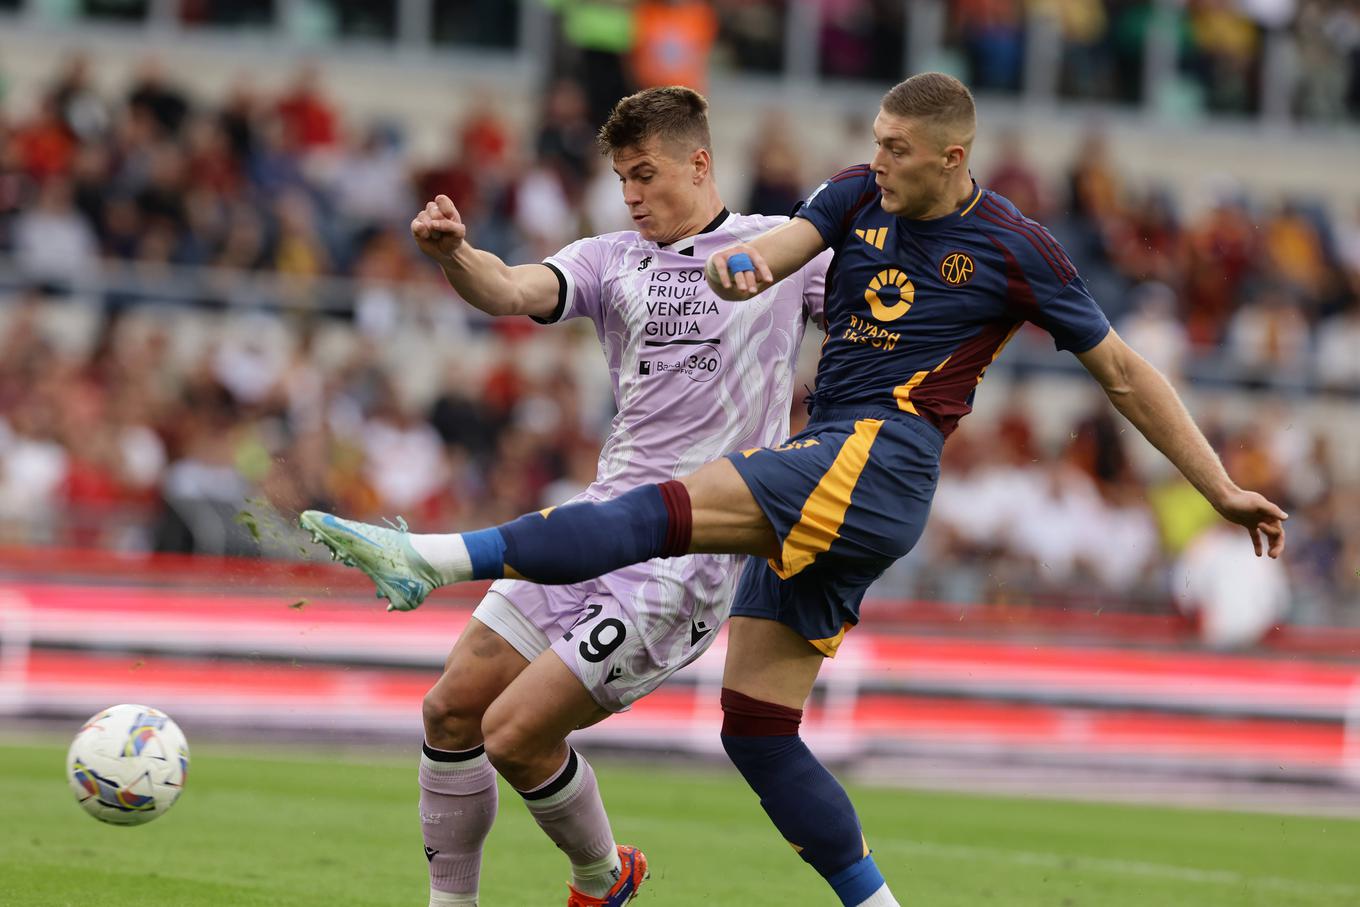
{"type": "Point", "coordinates": [1219, 47]}
{"type": "Point", "coordinates": [1256, 292]}
{"type": "Point", "coordinates": [1082, 522]}
{"type": "Point", "coordinates": [141, 416]}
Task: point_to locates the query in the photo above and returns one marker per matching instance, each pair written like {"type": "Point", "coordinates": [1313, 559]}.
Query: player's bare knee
{"type": "Point", "coordinates": [511, 747]}
{"type": "Point", "coordinates": [505, 756]}
{"type": "Point", "coordinates": [451, 722]}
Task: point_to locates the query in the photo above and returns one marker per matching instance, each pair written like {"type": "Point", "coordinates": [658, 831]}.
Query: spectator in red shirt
{"type": "Point", "coordinates": [308, 115]}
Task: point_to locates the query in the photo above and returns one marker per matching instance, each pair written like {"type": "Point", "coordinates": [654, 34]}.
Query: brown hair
{"type": "Point", "coordinates": [678, 115]}
{"type": "Point", "coordinates": [942, 100]}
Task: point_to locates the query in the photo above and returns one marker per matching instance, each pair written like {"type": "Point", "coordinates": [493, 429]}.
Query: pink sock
{"type": "Point", "coordinates": [569, 810]}
{"type": "Point", "coordinates": [457, 806]}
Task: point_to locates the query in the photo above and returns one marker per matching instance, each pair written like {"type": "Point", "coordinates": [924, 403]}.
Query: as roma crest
{"type": "Point", "coordinates": [957, 268]}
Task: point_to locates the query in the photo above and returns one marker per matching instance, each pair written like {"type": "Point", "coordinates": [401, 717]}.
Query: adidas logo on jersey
{"type": "Point", "coordinates": [875, 237]}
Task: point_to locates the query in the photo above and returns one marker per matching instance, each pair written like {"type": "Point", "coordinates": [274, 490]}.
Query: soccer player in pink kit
{"type": "Point", "coordinates": [694, 377]}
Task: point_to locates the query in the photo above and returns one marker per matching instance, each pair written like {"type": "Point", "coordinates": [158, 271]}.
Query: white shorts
{"type": "Point", "coordinates": [619, 651]}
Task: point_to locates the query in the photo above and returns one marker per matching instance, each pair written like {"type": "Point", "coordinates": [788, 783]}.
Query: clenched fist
{"type": "Point", "coordinates": [439, 229]}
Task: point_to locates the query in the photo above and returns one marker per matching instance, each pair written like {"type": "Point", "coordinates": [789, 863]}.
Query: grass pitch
{"type": "Point", "coordinates": [274, 826]}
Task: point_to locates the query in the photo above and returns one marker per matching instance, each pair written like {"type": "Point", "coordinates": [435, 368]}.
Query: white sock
{"type": "Point", "coordinates": [880, 898]}
{"type": "Point", "coordinates": [447, 554]}
{"type": "Point", "coordinates": [444, 899]}
{"type": "Point", "coordinates": [595, 879]}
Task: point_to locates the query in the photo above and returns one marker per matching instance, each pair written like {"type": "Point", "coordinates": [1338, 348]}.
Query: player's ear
{"type": "Point", "coordinates": [955, 156]}
{"type": "Point", "coordinates": [701, 163]}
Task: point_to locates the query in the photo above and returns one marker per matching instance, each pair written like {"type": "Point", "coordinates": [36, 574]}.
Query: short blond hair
{"type": "Point", "coordinates": [938, 99]}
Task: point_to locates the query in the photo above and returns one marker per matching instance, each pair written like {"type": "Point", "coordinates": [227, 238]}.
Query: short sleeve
{"type": "Point", "coordinates": [1072, 316]}
{"type": "Point", "coordinates": [580, 271]}
{"type": "Point", "coordinates": [1044, 285]}
{"type": "Point", "coordinates": [832, 207]}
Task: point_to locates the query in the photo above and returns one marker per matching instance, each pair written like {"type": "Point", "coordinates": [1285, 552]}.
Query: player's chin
{"type": "Point", "coordinates": [890, 203]}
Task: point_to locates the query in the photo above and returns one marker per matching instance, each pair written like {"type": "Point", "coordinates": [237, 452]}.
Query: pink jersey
{"type": "Point", "coordinates": [694, 377]}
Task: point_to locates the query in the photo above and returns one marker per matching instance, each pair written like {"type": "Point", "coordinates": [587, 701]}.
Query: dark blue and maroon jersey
{"type": "Point", "coordinates": [917, 310]}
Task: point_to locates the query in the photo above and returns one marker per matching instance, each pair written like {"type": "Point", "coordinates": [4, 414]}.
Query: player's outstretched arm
{"type": "Point", "coordinates": [774, 255]}
{"type": "Point", "coordinates": [1144, 396]}
{"type": "Point", "coordinates": [481, 278]}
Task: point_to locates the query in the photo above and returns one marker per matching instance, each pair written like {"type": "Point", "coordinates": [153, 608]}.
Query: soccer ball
{"type": "Point", "coordinates": [128, 764]}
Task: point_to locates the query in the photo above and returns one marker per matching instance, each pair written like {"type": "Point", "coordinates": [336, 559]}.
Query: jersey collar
{"type": "Point", "coordinates": [686, 246]}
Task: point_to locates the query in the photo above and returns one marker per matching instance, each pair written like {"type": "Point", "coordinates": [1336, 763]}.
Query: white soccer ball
{"type": "Point", "coordinates": [128, 764]}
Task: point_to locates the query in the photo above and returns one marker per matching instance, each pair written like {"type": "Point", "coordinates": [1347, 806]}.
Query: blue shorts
{"type": "Point", "coordinates": [846, 497]}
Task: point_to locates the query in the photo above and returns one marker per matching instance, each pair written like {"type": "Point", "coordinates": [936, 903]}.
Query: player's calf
{"type": "Point", "coordinates": [581, 541]}
{"type": "Point", "coordinates": [525, 731]}
{"type": "Point", "coordinates": [802, 799]}
{"type": "Point", "coordinates": [567, 806]}
{"type": "Point", "coordinates": [458, 794]}
{"type": "Point", "coordinates": [458, 801]}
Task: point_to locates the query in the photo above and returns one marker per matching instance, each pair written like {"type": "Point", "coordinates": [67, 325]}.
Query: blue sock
{"type": "Point", "coordinates": [802, 799]}
{"type": "Point", "coordinates": [854, 884]}
{"type": "Point", "coordinates": [582, 541]}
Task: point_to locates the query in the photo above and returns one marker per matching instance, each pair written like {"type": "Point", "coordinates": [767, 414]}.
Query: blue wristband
{"type": "Point", "coordinates": [740, 262]}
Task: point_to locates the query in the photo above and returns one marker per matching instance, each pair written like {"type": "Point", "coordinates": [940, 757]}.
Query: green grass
{"type": "Point", "coordinates": [294, 828]}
